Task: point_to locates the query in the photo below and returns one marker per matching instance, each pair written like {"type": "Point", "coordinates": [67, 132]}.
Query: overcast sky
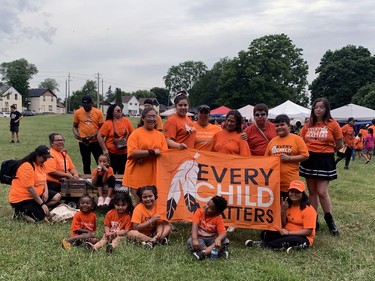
{"type": "Point", "coordinates": [132, 44]}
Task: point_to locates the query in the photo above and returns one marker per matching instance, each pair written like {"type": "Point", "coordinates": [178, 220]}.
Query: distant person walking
{"type": "Point", "coordinates": [348, 133]}
{"type": "Point", "coordinates": [86, 124]}
{"type": "Point", "coordinates": [15, 117]}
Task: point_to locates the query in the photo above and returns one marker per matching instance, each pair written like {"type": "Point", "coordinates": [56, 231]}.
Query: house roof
{"type": "Point", "coordinates": [154, 101]}
{"type": "Point", "coordinates": [4, 88]}
{"type": "Point", "coordinates": [126, 99]}
{"type": "Point", "coordinates": [35, 93]}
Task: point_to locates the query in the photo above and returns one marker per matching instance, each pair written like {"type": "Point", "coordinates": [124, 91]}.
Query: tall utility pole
{"type": "Point", "coordinates": [66, 96]}
{"type": "Point", "coordinates": [98, 99]}
{"type": "Point", "coordinates": [68, 102]}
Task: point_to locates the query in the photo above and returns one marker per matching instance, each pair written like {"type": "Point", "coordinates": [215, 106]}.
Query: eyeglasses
{"type": "Point", "coordinates": [150, 116]}
{"type": "Point", "coordinates": [118, 110]}
{"type": "Point", "coordinates": [59, 140]}
{"type": "Point", "coordinates": [260, 114]}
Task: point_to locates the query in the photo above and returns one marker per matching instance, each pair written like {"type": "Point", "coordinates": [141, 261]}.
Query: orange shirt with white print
{"type": "Point", "coordinates": [180, 129]}
{"type": "Point", "coordinates": [230, 143]}
{"type": "Point", "coordinates": [255, 139]}
{"type": "Point", "coordinates": [290, 145]}
{"type": "Point", "coordinates": [142, 214]}
{"type": "Point", "coordinates": [26, 176]}
{"type": "Point", "coordinates": [83, 221]}
{"type": "Point", "coordinates": [57, 163]}
{"type": "Point", "coordinates": [109, 173]}
{"type": "Point", "coordinates": [123, 129]}
{"type": "Point", "coordinates": [321, 137]}
{"type": "Point", "coordinates": [88, 122]}
{"type": "Point", "coordinates": [348, 134]}
{"type": "Point", "coordinates": [208, 226]}
{"type": "Point", "coordinates": [204, 136]}
{"type": "Point", "coordinates": [298, 219]}
{"type": "Point", "coordinates": [142, 173]}
{"type": "Point", "coordinates": [116, 221]}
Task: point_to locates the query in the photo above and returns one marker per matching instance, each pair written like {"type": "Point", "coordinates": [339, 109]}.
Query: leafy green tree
{"type": "Point", "coordinates": [88, 89]}
{"type": "Point", "coordinates": [118, 95]}
{"type": "Point", "coordinates": [109, 95]}
{"type": "Point", "coordinates": [17, 74]}
{"type": "Point", "coordinates": [271, 71]}
{"type": "Point", "coordinates": [184, 76]}
{"type": "Point", "coordinates": [342, 73]}
{"type": "Point", "coordinates": [49, 83]}
{"type": "Point", "coordinates": [162, 95]}
{"type": "Point", "coordinates": [143, 94]}
{"type": "Point", "coordinates": [365, 96]}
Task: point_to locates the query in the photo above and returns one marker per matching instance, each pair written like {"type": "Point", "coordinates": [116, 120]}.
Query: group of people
{"type": "Point", "coordinates": [120, 148]}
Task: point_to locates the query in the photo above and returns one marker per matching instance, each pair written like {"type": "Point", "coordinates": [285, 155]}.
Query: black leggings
{"type": "Point", "coordinates": [86, 150]}
{"type": "Point", "coordinates": [275, 240]}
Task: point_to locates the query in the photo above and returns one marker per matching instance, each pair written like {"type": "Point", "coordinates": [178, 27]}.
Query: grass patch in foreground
{"type": "Point", "coordinates": [34, 252]}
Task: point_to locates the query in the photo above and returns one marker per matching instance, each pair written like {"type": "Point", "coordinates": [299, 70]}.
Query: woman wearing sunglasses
{"type": "Point", "coordinates": [261, 131]}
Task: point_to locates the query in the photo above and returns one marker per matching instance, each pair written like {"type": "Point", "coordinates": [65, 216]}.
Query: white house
{"type": "Point", "coordinates": [43, 101]}
{"type": "Point", "coordinates": [131, 105]}
{"type": "Point", "coordinates": [8, 97]}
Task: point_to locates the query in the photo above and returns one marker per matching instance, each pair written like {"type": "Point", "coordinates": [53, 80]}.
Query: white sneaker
{"type": "Point", "coordinates": [107, 201]}
{"type": "Point", "coordinates": [230, 228]}
{"type": "Point", "coordinates": [100, 201]}
{"type": "Point", "coordinates": [253, 243]}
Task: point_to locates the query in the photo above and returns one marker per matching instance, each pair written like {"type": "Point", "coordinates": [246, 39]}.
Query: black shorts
{"type": "Point", "coordinates": [319, 166]}
{"type": "Point", "coordinates": [15, 129]}
{"type": "Point", "coordinates": [31, 208]}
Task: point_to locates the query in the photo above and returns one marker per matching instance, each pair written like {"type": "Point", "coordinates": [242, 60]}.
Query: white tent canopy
{"type": "Point", "coordinates": [247, 111]}
{"type": "Point", "coordinates": [358, 112]}
{"type": "Point", "coordinates": [293, 110]}
{"type": "Point", "coordinates": [173, 111]}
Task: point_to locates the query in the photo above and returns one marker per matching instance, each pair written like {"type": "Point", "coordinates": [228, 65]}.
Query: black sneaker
{"type": "Point", "coordinates": [333, 229]}
{"type": "Point", "coordinates": [109, 249]}
{"type": "Point", "coordinates": [199, 255]}
{"type": "Point", "coordinates": [253, 243]}
{"type": "Point", "coordinates": [224, 254]}
{"type": "Point", "coordinates": [12, 141]}
{"type": "Point", "coordinates": [164, 242]}
{"type": "Point", "coordinates": [297, 248]}
{"type": "Point", "coordinates": [147, 245]}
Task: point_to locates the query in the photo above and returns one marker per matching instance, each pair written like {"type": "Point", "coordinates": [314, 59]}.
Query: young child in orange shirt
{"type": "Point", "coordinates": [147, 225]}
{"type": "Point", "coordinates": [358, 145]}
{"type": "Point", "coordinates": [117, 222]}
{"type": "Point", "coordinates": [103, 175]}
{"type": "Point", "coordinates": [83, 224]}
{"type": "Point", "coordinates": [208, 230]}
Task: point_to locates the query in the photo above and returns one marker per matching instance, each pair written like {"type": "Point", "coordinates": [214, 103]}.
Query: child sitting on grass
{"type": "Point", "coordinates": [147, 225]}
{"type": "Point", "coordinates": [208, 230]}
{"type": "Point", "coordinates": [103, 175]}
{"type": "Point", "coordinates": [83, 224]}
{"type": "Point", "coordinates": [117, 222]}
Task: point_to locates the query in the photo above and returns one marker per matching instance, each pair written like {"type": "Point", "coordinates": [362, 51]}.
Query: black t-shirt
{"type": "Point", "coordinates": [13, 117]}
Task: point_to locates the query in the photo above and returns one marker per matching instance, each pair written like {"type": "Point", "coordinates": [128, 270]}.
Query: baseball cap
{"type": "Point", "coordinates": [297, 184]}
{"type": "Point", "coordinates": [43, 150]}
{"type": "Point", "coordinates": [351, 119]}
{"type": "Point", "coordinates": [86, 100]}
{"type": "Point", "coordinates": [204, 107]}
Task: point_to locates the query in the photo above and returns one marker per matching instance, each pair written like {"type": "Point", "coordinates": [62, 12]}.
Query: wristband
{"type": "Point", "coordinates": [41, 204]}
{"type": "Point", "coordinates": [151, 151]}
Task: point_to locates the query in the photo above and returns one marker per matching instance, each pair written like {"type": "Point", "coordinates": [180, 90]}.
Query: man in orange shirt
{"type": "Point", "coordinates": [86, 124]}
{"type": "Point", "coordinates": [261, 131]}
{"type": "Point", "coordinates": [349, 136]}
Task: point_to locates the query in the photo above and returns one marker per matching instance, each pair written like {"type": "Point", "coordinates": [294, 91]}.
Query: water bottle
{"type": "Point", "coordinates": [214, 253]}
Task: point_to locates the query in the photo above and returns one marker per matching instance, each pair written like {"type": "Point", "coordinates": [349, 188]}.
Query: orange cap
{"type": "Point", "coordinates": [297, 184]}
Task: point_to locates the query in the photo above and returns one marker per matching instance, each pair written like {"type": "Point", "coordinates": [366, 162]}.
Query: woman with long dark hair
{"type": "Point", "coordinates": [29, 194]}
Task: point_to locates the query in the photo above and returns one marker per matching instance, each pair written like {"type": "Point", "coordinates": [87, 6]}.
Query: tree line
{"type": "Point", "coordinates": [272, 70]}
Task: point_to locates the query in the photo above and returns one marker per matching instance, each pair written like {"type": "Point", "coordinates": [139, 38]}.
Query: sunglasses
{"type": "Point", "coordinates": [260, 114]}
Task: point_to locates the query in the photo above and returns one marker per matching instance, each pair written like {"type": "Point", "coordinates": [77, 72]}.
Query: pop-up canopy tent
{"type": "Point", "coordinates": [173, 111]}
{"type": "Point", "coordinates": [247, 111]}
{"type": "Point", "coordinates": [358, 112]}
{"type": "Point", "coordinates": [220, 110]}
{"type": "Point", "coordinates": [291, 109]}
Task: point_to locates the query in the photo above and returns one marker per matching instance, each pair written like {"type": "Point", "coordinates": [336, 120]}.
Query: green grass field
{"type": "Point", "coordinates": [34, 252]}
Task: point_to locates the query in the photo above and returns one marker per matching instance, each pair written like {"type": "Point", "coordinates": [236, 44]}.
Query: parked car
{"type": "Point", "coordinates": [5, 114]}
{"type": "Point", "coordinates": [28, 113]}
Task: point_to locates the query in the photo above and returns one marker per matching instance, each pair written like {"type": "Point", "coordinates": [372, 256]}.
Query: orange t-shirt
{"type": "Point", "coordinates": [256, 140]}
{"type": "Point", "coordinates": [180, 129]}
{"type": "Point", "coordinates": [142, 214]}
{"type": "Point", "coordinates": [348, 134]}
{"type": "Point", "coordinates": [298, 219]}
{"type": "Point", "coordinates": [123, 129]}
{"type": "Point", "coordinates": [26, 176]}
{"type": "Point", "coordinates": [95, 171]}
{"type": "Point", "coordinates": [321, 138]}
{"type": "Point", "coordinates": [116, 221]}
{"type": "Point", "coordinates": [159, 123]}
{"type": "Point", "coordinates": [230, 143]}
{"type": "Point", "coordinates": [83, 221]}
{"type": "Point", "coordinates": [208, 226]}
{"type": "Point", "coordinates": [142, 173]}
{"type": "Point", "coordinates": [364, 132]}
{"type": "Point", "coordinates": [204, 136]}
{"type": "Point", "coordinates": [57, 164]}
{"type": "Point", "coordinates": [88, 122]}
{"type": "Point", "coordinates": [290, 145]}
{"type": "Point", "coordinates": [358, 143]}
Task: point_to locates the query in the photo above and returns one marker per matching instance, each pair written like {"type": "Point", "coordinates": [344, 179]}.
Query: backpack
{"type": "Point", "coordinates": [8, 171]}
